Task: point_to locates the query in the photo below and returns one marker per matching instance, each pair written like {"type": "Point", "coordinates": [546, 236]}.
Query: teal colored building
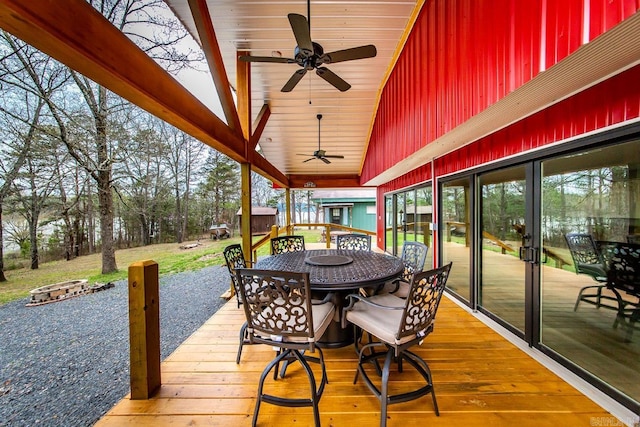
{"type": "Point", "coordinates": [353, 208]}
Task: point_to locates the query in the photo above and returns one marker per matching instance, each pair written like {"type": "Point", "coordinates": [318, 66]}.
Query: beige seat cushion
{"type": "Point", "coordinates": [382, 323]}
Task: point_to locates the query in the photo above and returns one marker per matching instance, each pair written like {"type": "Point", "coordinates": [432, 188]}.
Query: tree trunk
{"type": "Point", "coordinates": [90, 220]}
{"type": "Point", "coordinates": [105, 196]}
{"type": "Point", "coordinates": [2, 277]}
{"type": "Point", "coordinates": [33, 238]}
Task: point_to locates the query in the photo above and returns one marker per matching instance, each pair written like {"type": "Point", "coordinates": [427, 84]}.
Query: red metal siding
{"type": "Point", "coordinates": [463, 56]}
{"type": "Point", "coordinates": [610, 102]}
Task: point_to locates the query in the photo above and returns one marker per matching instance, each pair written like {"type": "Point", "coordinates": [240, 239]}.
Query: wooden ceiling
{"type": "Point", "coordinates": [261, 28]}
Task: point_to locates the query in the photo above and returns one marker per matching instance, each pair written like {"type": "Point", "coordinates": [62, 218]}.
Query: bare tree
{"type": "Point", "coordinates": [21, 114]}
{"type": "Point", "coordinates": [182, 160]}
{"type": "Point", "coordinates": [143, 180]}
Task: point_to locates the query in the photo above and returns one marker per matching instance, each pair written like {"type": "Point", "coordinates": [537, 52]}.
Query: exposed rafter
{"type": "Point", "coordinates": [259, 124]}
{"type": "Point", "coordinates": [210, 47]}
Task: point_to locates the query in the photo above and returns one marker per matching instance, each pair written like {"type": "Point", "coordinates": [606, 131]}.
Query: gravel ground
{"type": "Point", "coordinates": [67, 363]}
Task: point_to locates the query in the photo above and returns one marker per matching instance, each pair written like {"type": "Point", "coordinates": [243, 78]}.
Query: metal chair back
{"type": "Point", "coordinates": [414, 255]}
{"type": "Point", "coordinates": [234, 258]}
{"type": "Point", "coordinates": [353, 242]}
{"type": "Point", "coordinates": [284, 244]}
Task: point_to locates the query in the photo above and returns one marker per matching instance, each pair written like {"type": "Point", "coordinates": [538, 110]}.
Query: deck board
{"type": "Point", "coordinates": [480, 379]}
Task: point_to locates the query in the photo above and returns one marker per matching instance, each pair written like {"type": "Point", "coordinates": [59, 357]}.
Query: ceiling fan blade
{"type": "Point", "coordinates": [300, 28]}
{"type": "Point", "coordinates": [362, 52]}
{"type": "Point", "coordinates": [293, 81]}
{"type": "Point", "coordinates": [247, 58]}
{"type": "Point", "coordinates": [333, 79]}
{"type": "Point", "coordinates": [334, 156]}
{"type": "Point", "coordinates": [324, 159]}
{"type": "Point", "coordinates": [308, 160]}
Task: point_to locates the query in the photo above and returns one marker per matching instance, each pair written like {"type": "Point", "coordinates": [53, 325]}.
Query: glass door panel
{"type": "Point", "coordinates": [388, 224]}
{"type": "Point", "coordinates": [401, 221]}
{"type": "Point", "coordinates": [423, 220]}
{"type": "Point", "coordinates": [502, 225]}
{"type": "Point", "coordinates": [596, 193]}
{"type": "Point", "coordinates": [455, 234]}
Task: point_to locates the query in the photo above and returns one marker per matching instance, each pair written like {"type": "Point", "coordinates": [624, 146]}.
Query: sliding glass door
{"type": "Point", "coordinates": [409, 215]}
{"type": "Point", "coordinates": [506, 230]}
{"type": "Point", "coordinates": [595, 193]}
{"type": "Point", "coordinates": [503, 246]}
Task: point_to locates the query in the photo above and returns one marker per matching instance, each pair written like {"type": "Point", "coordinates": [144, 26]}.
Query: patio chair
{"type": "Point", "coordinates": [284, 244]}
{"type": "Point", "coordinates": [414, 255]}
{"type": "Point", "coordinates": [353, 242]}
{"type": "Point", "coordinates": [623, 278]}
{"type": "Point", "coordinates": [398, 325]}
{"type": "Point", "coordinates": [280, 313]}
{"type": "Point", "coordinates": [235, 259]}
{"type": "Point", "coordinates": [587, 259]}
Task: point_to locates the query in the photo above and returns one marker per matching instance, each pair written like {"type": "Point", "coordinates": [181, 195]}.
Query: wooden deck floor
{"type": "Point", "coordinates": [480, 379]}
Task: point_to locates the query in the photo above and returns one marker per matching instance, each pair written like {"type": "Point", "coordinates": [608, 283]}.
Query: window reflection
{"type": "Point", "coordinates": [596, 194]}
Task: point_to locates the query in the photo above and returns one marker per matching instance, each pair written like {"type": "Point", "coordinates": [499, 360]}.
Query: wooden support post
{"type": "Point", "coordinates": [243, 87]}
{"type": "Point", "coordinates": [245, 202]}
{"type": "Point", "coordinates": [327, 233]}
{"type": "Point", "coordinates": [287, 204]}
{"type": "Point", "coordinates": [144, 329]}
{"type": "Point", "coordinates": [273, 234]}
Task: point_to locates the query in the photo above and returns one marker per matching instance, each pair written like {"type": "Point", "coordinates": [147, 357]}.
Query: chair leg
{"type": "Point", "coordinates": [316, 391]}
{"type": "Point", "coordinates": [274, 363]}
{"type": "Point", "coordinates": [384, 390]}
{"type": "Point", "coordinates": [243, 339]}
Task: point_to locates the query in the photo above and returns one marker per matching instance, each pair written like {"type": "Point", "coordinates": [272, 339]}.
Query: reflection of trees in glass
{"type": "Point", "coordinates": [453, 203]}
{"type": "Point", "coordinates": [502, 208]}
{"type": "Point", "coordinates": [597, 201]}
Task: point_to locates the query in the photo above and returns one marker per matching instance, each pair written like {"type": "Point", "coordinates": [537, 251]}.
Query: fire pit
{"type": "Point", "coordinates": [64, 290]}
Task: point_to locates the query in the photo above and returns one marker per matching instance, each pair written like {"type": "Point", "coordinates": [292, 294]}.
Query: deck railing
{"type": "Point", "coordinates": [286, 230]}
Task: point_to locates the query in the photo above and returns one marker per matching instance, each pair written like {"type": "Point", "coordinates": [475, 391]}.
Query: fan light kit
{"type": "Point", "coordinates": [320, 154]}
{"type": "Point", "coordinates": [310, 55]}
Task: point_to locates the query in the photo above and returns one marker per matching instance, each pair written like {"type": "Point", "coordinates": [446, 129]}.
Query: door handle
{"type": "Point", "coordinates": [521, 253]}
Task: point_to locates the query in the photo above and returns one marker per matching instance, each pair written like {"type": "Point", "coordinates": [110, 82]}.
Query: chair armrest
{"type": "Point", "coordinates": [354, 298]}
{"type": "Point", "coordinates": [327, 298]}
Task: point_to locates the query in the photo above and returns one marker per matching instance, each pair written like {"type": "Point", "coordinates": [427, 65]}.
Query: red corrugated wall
{"type": "Point", "coordinates": [463, 56]}
{"type": "Point", "coordinates": [613, 101]}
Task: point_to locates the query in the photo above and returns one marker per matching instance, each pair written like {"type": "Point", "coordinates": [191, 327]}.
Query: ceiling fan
{"type": "Point", "coordinates": [320, 154]}
{"type": "Point", "coordinates": [310, 55]}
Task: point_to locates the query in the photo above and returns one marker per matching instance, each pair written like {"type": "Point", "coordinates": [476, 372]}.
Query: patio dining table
{"type": "Point", "coordinates": [339, 272]}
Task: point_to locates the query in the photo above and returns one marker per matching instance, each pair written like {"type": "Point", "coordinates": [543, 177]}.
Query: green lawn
{"type": "Point", "coordinates": [169, 256]}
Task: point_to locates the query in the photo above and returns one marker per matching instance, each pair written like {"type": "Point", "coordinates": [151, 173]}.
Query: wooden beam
{"type": "Point", "coordinates": [80, 37]}
{"type": "Point", "coordinates": [324, 181]}
{"type": "Point", "coordinates": [258, 163]}
{"type": "Point", "coordinates": [243, 92]}
{"type": "Point", "coordinates": [259, 125]}
{"type": "Point", "coordinates": [211, 49]}
{"type": "Point", "coordinates": [266, 169]}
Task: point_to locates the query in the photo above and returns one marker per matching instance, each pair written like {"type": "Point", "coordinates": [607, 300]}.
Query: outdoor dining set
{"type": "Point", "coordinates": [302, 301]}
{"type": "Point", "coordinates": [614, 266]}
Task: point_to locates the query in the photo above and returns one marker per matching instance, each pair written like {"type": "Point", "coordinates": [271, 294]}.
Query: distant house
{"type": "Point", "coordinates": [353, 208]}
{"type": "Point", "coordinates": [262, 219]}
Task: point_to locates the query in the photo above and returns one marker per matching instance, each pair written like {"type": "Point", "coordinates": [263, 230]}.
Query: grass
{"type": "Point", "coordinates": [170, 258]}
